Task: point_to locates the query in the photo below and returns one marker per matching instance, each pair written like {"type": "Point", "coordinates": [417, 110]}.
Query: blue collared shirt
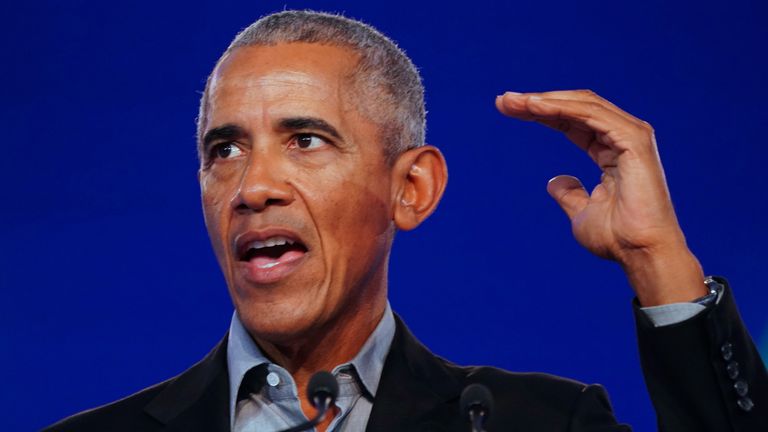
{"type": "Point", "coordinates": [277, 406]}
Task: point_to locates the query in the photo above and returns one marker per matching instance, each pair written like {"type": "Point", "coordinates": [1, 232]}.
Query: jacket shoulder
{"type": "Point", "coordinates": [534, 388]}
{"type": "Point", "coordinates": [550, 402]}
{"type": "Point", "coordinates": [522, 401]}
{"type": "Point", "coordinates": [195, 399]}
{"type": "Point", "coordinates": [125, 414]}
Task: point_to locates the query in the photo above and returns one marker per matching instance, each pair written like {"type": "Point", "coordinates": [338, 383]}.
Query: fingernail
{"type": "Point", "coordinates": [512, 93]}
{"type": "Point", "coordinates": [535, 98]}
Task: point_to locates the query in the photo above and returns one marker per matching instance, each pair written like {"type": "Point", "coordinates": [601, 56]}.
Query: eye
{"type": "Point", "coordinates": [225, 151]}
{"type": "Point", "coordinates": [307, 141]}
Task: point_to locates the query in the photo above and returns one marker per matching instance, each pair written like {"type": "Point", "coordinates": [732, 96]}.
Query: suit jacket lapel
{"type": "Point", "coordinates": [417, 391]}
{"type": "Point", "coordinates": [198, 399]}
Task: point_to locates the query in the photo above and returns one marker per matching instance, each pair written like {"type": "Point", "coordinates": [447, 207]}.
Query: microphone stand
{"type": "Point", "coordinates": [322, 405]}
{"type": "Point", "coordinates": [477, 417]}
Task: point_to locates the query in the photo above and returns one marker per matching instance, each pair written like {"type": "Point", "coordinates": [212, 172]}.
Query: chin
{"type": "Point", "coordinates": [277, 322]}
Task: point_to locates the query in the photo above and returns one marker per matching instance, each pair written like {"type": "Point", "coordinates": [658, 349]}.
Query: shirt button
{"type": "Point", "coordinates": [733, 370]}
{"type": "Point", "coordinates": [745, 404]}
{"type": "Point", "coordinates": [727, 351]}
{"type": "Point", "coordinates": [741, 387]}
{"type": "Point", "coordinates": [273, 379]}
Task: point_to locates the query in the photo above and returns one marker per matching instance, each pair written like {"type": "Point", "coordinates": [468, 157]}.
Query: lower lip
{"type": "Point", "coordinates": [266, 270]}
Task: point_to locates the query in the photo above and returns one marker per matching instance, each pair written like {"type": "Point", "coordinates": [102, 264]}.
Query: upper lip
{"type": "Point", "coordinates": [244, 240]}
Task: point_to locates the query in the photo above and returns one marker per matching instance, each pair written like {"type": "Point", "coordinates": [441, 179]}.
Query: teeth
{"type": "Point", "coordinates": [270, 242]}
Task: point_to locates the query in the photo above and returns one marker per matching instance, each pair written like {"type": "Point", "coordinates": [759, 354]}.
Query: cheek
{"type": "Point", "coordinates": [371, 210]}
{"type": "Point", "coordinates": [215, 203]}
{"type": "Point", "coordinates": [217, 187]}
{"type": "Point", "coordinates": [359, 216]}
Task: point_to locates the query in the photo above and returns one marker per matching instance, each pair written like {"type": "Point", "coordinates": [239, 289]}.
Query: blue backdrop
{"type": "Point", "coordinates": [108, 281]}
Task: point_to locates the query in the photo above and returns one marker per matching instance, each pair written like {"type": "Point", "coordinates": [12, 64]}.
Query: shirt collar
{"type": "Point", "coordinates": [243, 354]}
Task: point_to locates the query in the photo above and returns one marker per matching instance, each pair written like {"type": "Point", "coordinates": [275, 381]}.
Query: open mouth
{"type": "Point", "coordinates": [271, 251]}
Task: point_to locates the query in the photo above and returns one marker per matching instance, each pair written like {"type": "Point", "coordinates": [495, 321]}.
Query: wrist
{"type": "Point", "coordinates": [661, 277]}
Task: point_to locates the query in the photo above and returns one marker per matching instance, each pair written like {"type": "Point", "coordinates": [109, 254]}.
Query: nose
{"type": "Point", "coordinates": [262, 186]}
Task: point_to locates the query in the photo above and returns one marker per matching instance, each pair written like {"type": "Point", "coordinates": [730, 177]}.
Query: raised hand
{"type": "Point", "coordinates": [629, 216]}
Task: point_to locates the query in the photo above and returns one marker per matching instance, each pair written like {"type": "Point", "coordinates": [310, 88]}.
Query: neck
{"type": "Point", "coordinates": [336, 343]}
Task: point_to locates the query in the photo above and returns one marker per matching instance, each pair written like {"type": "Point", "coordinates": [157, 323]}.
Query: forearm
{"type": "Point", "coordinates": [664, 275]}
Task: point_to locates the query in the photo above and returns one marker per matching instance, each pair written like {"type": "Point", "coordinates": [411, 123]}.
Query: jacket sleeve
{"type": "Point", "coordinates": [705, 373]}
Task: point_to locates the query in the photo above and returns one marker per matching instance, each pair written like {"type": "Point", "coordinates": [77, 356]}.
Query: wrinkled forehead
{"type": "Point", "coordinates": [250, 90]}
{"type": "Point", "coordinates": [279, 78]}
{"type": "Point", "coordinates": [312, 70]}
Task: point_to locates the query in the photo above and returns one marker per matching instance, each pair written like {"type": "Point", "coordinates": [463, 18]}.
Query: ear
{"type": "Point", "coordinates": [419, 179]}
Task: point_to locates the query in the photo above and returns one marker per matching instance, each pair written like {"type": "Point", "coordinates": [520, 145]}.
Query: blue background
{"type": "Point", "coordinates": [108, 281]}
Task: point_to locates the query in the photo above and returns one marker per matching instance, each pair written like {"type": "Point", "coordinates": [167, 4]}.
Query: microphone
{"type": "Point", "coordinates": [476, 404]}
{"type": "Point", "coordinates": [321, 392]}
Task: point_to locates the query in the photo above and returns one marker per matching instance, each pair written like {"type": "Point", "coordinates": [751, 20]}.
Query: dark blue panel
{"type": "Point", "coordinates": [105, 257]}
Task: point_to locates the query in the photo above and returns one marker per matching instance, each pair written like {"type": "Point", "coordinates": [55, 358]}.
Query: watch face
{"type": "Point", "coordinates": [715, 289]}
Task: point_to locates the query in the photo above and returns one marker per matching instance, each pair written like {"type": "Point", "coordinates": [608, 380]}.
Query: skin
{"type": "Point", "coordinates": [339, 194]}
{"type": "Point", "coordinates": [344, 199]}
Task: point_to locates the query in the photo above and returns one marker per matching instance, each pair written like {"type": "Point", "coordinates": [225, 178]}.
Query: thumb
{"type": "Point", "coordinates": [569, 194]}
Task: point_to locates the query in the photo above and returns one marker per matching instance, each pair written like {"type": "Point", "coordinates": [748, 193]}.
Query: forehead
{"type": "Point", "coordinates": [250, 77]}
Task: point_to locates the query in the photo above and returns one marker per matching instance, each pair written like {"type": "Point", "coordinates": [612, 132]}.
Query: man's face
{"type": "Point", "coordinates": [295, 187]}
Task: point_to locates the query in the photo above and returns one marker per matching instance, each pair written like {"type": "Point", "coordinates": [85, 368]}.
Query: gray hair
{"type": "Point", "coordinates": [384, 74]}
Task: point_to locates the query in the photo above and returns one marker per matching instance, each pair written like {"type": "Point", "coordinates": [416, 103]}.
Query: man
{"type": "Point", "coordinates": [311, 139]}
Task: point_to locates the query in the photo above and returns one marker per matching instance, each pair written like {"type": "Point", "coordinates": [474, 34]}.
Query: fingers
{"type": "Point", "coordinates": [583, 117]}
{"type": "Point", "coordinates": [578, 133]}
{"type": "Point", "coordinates": [572, 95]}
{"type": "Point", "coordinates": [564, 114]}
{"type": "Point", "coordinates": [569, 193]}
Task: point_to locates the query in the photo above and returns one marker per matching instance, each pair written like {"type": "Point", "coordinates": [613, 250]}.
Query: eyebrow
{"type": "Point", "coordinates": [230, 132]}
{"type": "Point", "coordinates": [225, 132]}
{"type": "Point", "coordinates": [309, 123]}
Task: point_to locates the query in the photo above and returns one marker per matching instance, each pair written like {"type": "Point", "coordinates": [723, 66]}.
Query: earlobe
{"type": "Point", "coordinates": [421, 175]}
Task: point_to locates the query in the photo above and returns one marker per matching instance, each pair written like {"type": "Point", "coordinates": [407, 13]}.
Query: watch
{"type": "Point", "coordinates": [715, 291]}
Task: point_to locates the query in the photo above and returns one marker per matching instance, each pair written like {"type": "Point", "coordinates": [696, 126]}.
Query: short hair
{"type": "Point", "coordinates": [384, 74]}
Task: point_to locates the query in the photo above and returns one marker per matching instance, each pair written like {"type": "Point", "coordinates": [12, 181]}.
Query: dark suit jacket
{"type": "Point", "coordinates": [685, 365]}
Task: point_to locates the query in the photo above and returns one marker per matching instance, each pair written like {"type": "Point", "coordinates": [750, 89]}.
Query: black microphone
{"type": "Point", "coordinates": [476, 404]}
{"type": "Point", "coordinates": [321, 392]}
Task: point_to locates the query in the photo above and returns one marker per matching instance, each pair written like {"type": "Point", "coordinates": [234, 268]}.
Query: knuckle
{"type": "Point", "coordinates": [646, 126]}
{"type": "Point", "coordinates": [643, 128]}
{"type": "Point", "coordinates": [594, 107]}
